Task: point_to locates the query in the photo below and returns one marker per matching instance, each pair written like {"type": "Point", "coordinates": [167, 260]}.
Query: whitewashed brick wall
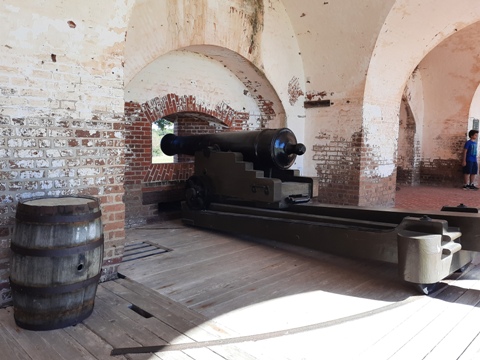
{"type": "Point", "coordinates": [61, 112]}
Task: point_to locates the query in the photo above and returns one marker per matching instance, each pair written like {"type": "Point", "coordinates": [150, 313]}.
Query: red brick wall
{"type": "Point", "coordinates": [189, 126]}
{"type": "Point", "coordinates": [58, 156]}
{"type": "Point", "coordinates": [61, 115]}
{"type": "Point", "coordinates": [141, 175]}
{"type": "Point", "coordinates": [434, 171]}
{"type": "Point", "coordinates": [412, 169]}
{"type": "Point", "coordinates": [338, 166]}
{"type": "Point", "coordinates": [408, 152]}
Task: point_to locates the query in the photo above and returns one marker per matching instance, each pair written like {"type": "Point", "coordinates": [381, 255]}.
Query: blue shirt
{"type": "Point", "coordinates": [471, 147]}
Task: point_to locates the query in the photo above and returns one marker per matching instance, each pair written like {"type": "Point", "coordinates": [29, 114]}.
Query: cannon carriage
{"type": "Point", "coordinates": [242, 167]}
{"type": "Point", "coordinates": [242, 184]}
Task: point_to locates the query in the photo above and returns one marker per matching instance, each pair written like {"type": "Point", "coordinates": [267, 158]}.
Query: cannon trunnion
{"type": "Point", "coordinates": [242, 185]}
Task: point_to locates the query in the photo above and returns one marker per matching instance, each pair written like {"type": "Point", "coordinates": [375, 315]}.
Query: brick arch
{"type": "Point", "coordinates": [388, 72]}
{"type": "Point", "coordinates": [170, 104]}
{"type": "Point", "coordinates": [147, 184]}
{"type": "Point", "coordinates": [187, 105]}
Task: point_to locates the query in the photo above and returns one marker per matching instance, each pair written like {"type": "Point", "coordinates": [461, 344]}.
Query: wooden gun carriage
{"type": "Point", "coordinates": [242, 184]}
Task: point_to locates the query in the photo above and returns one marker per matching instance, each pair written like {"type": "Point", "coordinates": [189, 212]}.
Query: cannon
{"type": "Point", "coordinates": [242, 167]}
{"type": "Point", "coordinates": [242, 184]}
{"type": "Point", "coordinates": [264, 148]}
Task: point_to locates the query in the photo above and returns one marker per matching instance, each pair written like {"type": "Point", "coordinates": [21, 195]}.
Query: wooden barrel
{"type": "Point", "coordinates": [57, 254]}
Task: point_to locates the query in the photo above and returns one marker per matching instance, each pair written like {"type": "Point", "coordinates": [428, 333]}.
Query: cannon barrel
{"type": "Point", "coordinates": [265, 148]}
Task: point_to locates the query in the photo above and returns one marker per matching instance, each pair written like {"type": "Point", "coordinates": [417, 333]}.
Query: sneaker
{"type": "Point", "coordinates": [466, 187]}
{"type": "Point", "coordinates": [473, 187]}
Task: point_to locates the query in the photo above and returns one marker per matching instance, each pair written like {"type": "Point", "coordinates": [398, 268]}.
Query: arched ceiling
{"type": "Point", "coordinates": [232, 32]}
{"type": "Point", "coordinates": [411, 30]}
{"type": "Point", "coordinates": [379, 35]}
{"type": "Point", "coordinates": [336, 39]}
{"type": "Point", "coordinates": [359, 52]}
{"type": "Point", "coordinates": [253, 79]}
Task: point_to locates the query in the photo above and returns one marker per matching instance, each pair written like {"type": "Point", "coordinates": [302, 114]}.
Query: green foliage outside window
{"type": "Point", "coordinates": [164, 126]}
{"type": "Point", "coordinates": [160, 128]}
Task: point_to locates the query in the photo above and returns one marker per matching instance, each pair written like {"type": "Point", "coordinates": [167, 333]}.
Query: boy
{"type": "Point", "coordinates": [469, 161]}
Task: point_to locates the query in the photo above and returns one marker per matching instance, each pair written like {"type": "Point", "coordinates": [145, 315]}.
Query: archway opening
{"type": "Point", "coordinates": [182, 124]}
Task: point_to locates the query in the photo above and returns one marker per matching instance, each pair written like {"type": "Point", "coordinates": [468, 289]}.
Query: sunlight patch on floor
{"type": "Point", "coordinates": [295, 311]}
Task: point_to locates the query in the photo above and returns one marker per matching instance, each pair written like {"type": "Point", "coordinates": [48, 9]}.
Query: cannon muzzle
{"type": "Point", "coordinates": [265, 148]}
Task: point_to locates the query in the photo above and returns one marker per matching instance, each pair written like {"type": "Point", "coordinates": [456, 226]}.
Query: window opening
{"type": "Point", "coordinates": [160, 128]}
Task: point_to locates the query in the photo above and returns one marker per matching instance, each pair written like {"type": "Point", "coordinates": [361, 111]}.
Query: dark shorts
{"type": "Point", "coordinates": [471, 168]}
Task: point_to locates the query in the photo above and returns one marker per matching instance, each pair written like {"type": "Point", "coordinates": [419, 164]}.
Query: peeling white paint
{"type": "Point", "coordinates": [384, 171]}
{"type": "Point", "coordinates": [371, 112]}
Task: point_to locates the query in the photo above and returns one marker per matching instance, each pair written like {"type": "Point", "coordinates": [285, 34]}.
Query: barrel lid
{"type": "Point", "coordinates": [53, 209]}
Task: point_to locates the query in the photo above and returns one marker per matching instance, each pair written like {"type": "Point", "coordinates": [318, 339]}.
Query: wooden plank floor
{"type": "Point", "coordinates": [219, 296]}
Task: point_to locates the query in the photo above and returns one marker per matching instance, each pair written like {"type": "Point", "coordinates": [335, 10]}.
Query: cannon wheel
{"type": "Point", "coordinates": [198, 192]}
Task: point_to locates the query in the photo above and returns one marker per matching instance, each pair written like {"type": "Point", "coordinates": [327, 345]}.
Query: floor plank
{"type": "Point", "coordinates": [217, 296]}
{"type": "Point", "coordinates": [117, 330]}
{"type": "Point", "coordinates": [166, 333]}
{"type": "Point", "coordinates": [184, 320]}
{"type": "Point", "coordinates": [220, 292]}
{"type": "Point", "coordinates": [9, 346]}
{"type": "Point", "coordinates": [43, 345]}
{"type": "Point", "coordinates": [92, 342]}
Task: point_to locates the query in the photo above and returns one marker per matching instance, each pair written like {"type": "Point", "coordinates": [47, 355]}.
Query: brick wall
{"type": "Point", "coordinates": [167, 181]}
{"type": "Point", "coordinates": [408, 169]}
{"type": "Point", "coordinates": [61, 122]}
{"type": "Point", "coordinates": [351, 172]}
{"type": "Point", "coordinates": [338, 170]}
{"type": "Point", "coordinates": [444, 172]}
{"type": "Point", "coordinates": [191, 126]}
{"type": "Point", "coordinates": [55, 155]}
{"type": "Point", "coordinates": [413, 168]}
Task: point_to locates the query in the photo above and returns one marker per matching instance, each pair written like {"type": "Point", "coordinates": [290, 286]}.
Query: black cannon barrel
{"type": "Point", "coordinates": [265, 148]}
